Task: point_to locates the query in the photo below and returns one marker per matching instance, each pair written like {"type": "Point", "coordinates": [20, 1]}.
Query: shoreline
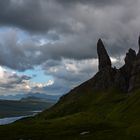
{"type": "Point", "coordinates": [9, 120]}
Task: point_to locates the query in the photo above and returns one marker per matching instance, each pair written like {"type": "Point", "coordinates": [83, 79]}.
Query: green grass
{"type": "Point", "coordinates": [109, 115]}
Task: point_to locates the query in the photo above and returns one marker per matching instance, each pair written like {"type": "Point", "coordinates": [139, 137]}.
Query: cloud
{"type": "Point", "coordinates": [23, 55]}
{"type": "Point", "coordinates": [13, 83]}
{"type": "Point", "coordinates": [69, 73]}
{"type": "Point", "coordinates": [36, 16]}
{"type": "Point", "coordinates": [60, 36]}
{"type": "Point", "coordinates": [100, 3]}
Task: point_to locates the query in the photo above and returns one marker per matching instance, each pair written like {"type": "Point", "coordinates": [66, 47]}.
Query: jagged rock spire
{"type": "Point", "coordinates": [139, 42]}
{"type": "Point", "coordinates": [130, 56]}
{"type": "Point", "coordinates": [139, 46]}
{"type": "Point", "coordinates": [104, 60]}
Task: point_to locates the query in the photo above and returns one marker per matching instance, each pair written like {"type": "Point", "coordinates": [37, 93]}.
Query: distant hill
{"type": "Point", "coordinates": [44, 96]}
{"type": "Point", "coordinates": [38, 95]}
{"type": "Point", "coordinates": [106, 107]}
{"type": "Point", "coordinates": [26, 106]}
{"type": "Point", "coordinates": [36, 99]}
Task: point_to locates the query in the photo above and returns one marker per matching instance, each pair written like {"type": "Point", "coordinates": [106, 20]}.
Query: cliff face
{"type": "Point", "coordinates": [127, 78]}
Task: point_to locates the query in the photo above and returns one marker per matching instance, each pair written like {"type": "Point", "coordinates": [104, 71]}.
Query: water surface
{"type": "Point", "coordinates": [9, 120]}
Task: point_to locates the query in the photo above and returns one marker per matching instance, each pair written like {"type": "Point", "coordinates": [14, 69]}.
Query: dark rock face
{"type": "Point", "coordinates": [129, 60]}
{"type": "Point", "coordinates": [134, 82]}
{"type": "Point", "coordinates": [139, 47]}
{"type": "Point", "coordinates": [108, 77]}
{"type": "Point", "coordinates": [130, 57]}
{"type": "Point", "coordinates": [104, 79]}
{"type": "Point", "coordinates": [120, 81]}
{"type": "Point", "coordinates": [126, 78]}
{"type": "Point", "coordinates": [104, 60]}
{"type": "Point", "coordinates": [126, 70]}
{"type": "Point", "coordinates": [139, 42]}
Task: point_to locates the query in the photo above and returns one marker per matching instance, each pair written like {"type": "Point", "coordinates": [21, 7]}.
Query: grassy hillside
{"type": "Point", "coordinates": [109, 115]}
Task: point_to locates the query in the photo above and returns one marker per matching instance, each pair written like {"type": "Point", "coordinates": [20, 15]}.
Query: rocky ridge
{"type": "Point", "coordinates": [127, 78]}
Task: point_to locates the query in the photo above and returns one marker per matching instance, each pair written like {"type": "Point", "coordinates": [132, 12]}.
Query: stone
{"type": "Point", "coordinates": [138, 55]}
{"type": "Point", "coordinates": [104, 60]}
{"type": "Point", "coordinates": [134, 82]}
{"type": "Point", "coordinates": [130, 57]}
{"type": "Point", "coordinates": [84, 133]}
{"type": "Point", "coordinates": [139, 46]}
{"type": "Point", "coordinates": [120, 81]}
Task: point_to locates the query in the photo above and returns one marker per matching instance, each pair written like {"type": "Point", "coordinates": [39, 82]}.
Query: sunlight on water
{"type": "Point", "coordinates": [10, 120]}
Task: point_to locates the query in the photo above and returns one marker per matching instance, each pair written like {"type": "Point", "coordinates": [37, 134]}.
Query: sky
{"type": "Point", "coordinates": [49, 46]}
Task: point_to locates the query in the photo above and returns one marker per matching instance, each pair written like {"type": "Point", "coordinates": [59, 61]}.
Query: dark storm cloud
{"type": "Point", "coordinates": [95, 2]}
{"type": "Point", "coordinates": [44, 15]}
{"type": "Point", "coordinates": [72, 31]}
{"type": "Point", "coordinates": [22, 56]}
{"type": "Point", "coordinates": [32, 15]}
{"type": "Point", "coordinates": [19, 13]}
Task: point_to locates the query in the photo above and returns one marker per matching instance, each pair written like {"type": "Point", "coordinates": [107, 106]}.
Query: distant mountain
{"type": "Point", "coordinates": [38, 95]}
{"type": "Point", "coordinates": [36, 99]}
{"type": "Point", "coordinates": [26, 106]}
{"type": "Point", "coordinates": [44, 96]}
{"type": "Point", "coordinates": [12, 97]}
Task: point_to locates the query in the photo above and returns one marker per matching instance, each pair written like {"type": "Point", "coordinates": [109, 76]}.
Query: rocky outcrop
{"type": "Point", "coordinates": [104, 60]}
{"type": "Point", "coordinates": [126, 78]}
{"type": "Point", "coordinates": [139, 48]}
{"type": "Point", "coordinates": [120, 81]}
{"type": "Point", "coordinates": [130, 57]}
{"type": "Point", "coordinates": [134, 82]}
{"type": "Point", "coordinates": [126, 70]}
